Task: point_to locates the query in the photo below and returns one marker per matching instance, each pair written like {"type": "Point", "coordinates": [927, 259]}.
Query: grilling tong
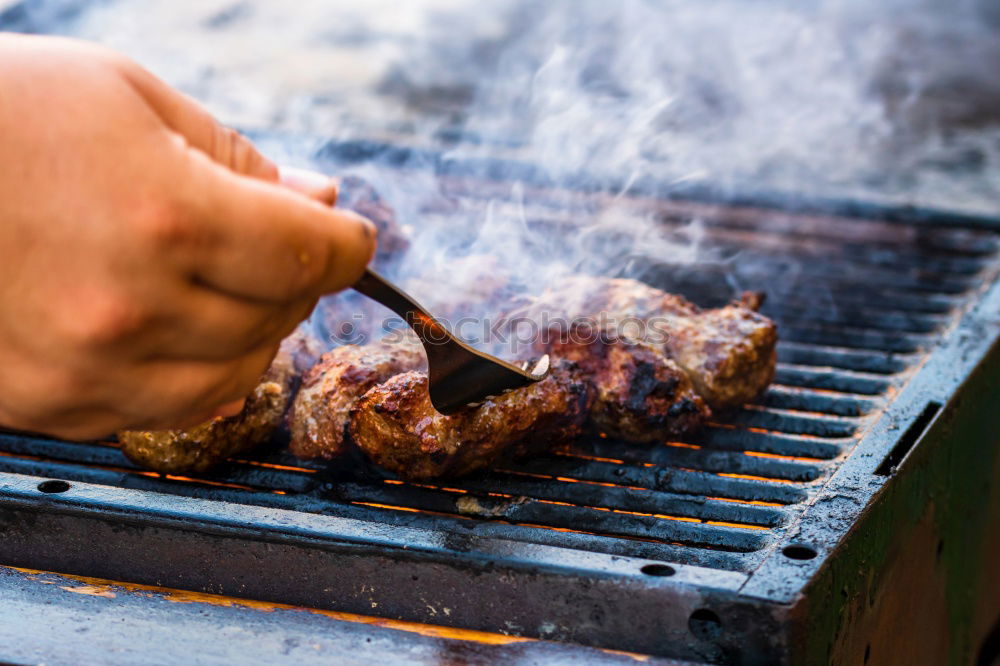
{"type": "Point", "coordinates": [459, 376]}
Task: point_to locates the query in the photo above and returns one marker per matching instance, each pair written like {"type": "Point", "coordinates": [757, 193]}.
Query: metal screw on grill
{"type": "Point", "coordinates": [53, 486]}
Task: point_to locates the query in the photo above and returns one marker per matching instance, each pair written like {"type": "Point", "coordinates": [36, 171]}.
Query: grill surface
{"type": "Point", "coordinates": [632, 547]}
{"type": "Point", "coordinates": [858, 302]}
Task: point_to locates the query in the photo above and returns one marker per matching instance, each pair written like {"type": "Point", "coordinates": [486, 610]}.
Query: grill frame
{"type": "Point", "coordinates": [362, 561]}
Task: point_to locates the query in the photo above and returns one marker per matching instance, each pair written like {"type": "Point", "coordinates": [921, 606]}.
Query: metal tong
{"type": "Point", "coordinates": [459, 376]}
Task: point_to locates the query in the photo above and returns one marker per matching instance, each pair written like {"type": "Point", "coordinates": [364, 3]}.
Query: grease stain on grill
{"type": "Point", "coordinates": [469, 505]}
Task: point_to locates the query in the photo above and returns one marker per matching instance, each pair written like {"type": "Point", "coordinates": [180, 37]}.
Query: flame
{"type": "Point", "coordinates": [286, 468]}
{"type": "Point", "coordinates": [90, 590]}
{"type": "Point", "coordinates": [391, 507]}
{"type": "Point", "coordinates": [753, 478]}
{"type": "Point", "coordinates": [775, 456]}
{"type": "Point", "coordinates": [582, 456]}
{"type": "Point", "coordinates": [739, 525]}
{"type": "Point", "coordinates": [188, 479]}
{"type": "Point", "coordinates": [742, 501]}
{"type": "Point", "coordinates": [597, 483]}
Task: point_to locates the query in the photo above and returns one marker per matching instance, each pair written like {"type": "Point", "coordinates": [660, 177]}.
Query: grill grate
{"type": "Point", "coordinates": [859, 303]}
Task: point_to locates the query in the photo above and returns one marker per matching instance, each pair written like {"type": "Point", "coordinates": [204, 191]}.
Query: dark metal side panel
{"type": "Point", "coordinates": [916, 579]}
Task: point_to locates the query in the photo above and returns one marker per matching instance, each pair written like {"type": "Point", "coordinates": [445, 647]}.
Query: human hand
{"type": "Point", "coordinates": [150, 259]}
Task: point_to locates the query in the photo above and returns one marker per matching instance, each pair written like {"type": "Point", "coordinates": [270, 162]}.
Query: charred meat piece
{"type": "Point", "coordinates": [358, 195]}
{"type": "Point", "coordinates": [398, 429]}
{"type": "Point", "coordinates": [639, 393]}
{"type": "Point", "coordinates": [199, 448]}
{"type": "Point", "coordinates": [320, 412]}
{"type": "Point", "coordinates": [728, 353]}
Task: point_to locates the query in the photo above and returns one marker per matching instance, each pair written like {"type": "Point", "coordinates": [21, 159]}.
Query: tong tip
{"type": "Point", "coordinates": [541, 368]}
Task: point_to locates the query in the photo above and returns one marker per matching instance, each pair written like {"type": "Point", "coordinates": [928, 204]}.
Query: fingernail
{"type": "Point", "coordinates": [303, 178]}
{"type": "Point", "coordinates": [370, 230]}
{"type": "Point", "coordinates": [310, 183]}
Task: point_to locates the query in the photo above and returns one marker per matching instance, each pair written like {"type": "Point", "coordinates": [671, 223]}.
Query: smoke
{"type": "Point", "coordinates": [888, 102]}
{"type": "Point", "coordinates": [894, 101]}
{"type": "Point", "coordinates": [883, 100]}
{"type": "Point", "coordinates": [878, 99]}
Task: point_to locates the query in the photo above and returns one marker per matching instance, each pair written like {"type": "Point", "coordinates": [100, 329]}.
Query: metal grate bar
{"type": "Point", "coordinates": [906, 322]}
{"type": "Point", "coordinates": [700, 459]}
{"type": "Point", "coordinates": [785, 444]}
{"type": "Point", "coordinates": [795, 398]}
{"type": "Point", "coordinates": [842, 381]}
{"type": "Point", "coordinates": [640, 500]}
{"type": "Point", "coordinates": [859, 360]}
{"type": "Point", "coordinates": [787, 421]}
{"type": "Point", "coordinates": [855, 337]}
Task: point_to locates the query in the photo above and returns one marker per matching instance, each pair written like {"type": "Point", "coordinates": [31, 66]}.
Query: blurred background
{"type": "Point", "coordinates": [894, 101]}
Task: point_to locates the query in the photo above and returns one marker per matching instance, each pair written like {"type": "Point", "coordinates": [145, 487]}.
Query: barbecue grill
{"type": "Point", "coordinates": [815, 525]}
{"type": "Point", "coordinates": [850, 516]}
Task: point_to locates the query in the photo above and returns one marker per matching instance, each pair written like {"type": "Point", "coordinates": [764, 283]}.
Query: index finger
{"type": "Point", "coordinates": [191, 120]}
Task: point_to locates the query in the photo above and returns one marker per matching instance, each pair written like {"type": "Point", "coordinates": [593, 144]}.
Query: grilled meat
{"type": "Point", "coordinates": [198, 448]}
{"type": "Point", "coordinates": [396, 426]}
{"type": "Point", "coordinates": [358, 195]}
{"type": "Point", "coordinates": [650, 371]}
{"type": "Point", "coordinates": [639, 393]}
{"type": "Point", "coordinates": [728, 353]}
{"type": "Point", "coordinates": [320, 412]}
